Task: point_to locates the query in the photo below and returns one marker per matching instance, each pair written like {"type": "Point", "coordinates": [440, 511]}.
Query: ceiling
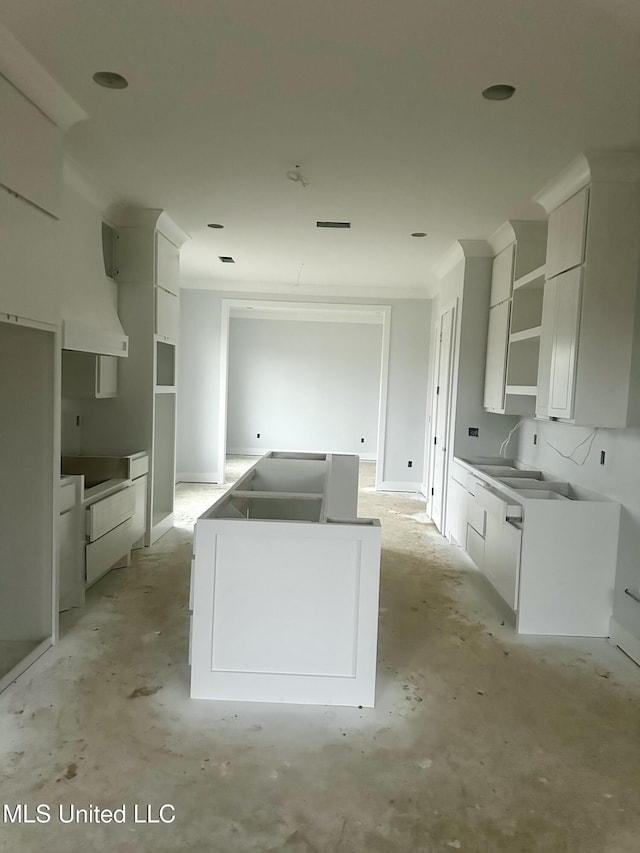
{"type": "Point", "coordinates": [378, 101]}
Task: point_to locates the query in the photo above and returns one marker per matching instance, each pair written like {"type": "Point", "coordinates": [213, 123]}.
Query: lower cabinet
{"type": "Point", "coordinates": [502, 557]}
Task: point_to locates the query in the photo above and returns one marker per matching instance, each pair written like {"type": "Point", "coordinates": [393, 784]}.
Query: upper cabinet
{"type": "Point", "coordinates": [567, 233]}
{"type": "Point", "coordinates": [592, 273]}
{"type": "Point", "coordinates": [30, 151]}
{"type": "Point", "coordinates": [515, 317]}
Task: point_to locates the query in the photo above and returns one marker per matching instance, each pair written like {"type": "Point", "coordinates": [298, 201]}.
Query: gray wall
{"type": "Point", "coordinates": [303, 386]}
{"type": "Point", "coordinates": [198, 388]}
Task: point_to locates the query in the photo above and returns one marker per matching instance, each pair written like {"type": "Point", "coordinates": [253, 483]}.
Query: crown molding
{"type": "Point", "coordinates": [24, 72]}
{"type": "Point", "coordinates": [459, 251]}
{"type": "Point", "coordinates": [152, 217]}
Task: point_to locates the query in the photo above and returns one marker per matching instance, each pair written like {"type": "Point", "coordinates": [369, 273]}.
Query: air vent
{"type": "Point", "coordinates": [333, 224]}
{"type": "Point", "coordinates": [226, 259]}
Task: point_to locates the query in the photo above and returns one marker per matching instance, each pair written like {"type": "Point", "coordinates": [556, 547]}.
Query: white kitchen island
{"type": "Point", "coordinates": [284, 587]}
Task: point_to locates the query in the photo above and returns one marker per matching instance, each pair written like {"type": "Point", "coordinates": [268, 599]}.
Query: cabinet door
{"type": "Point", "coordinates": [564, 353]}
{"type": "Point", "coordinates": [567, 234]}
{"type": "Point", "coordinates": [106, 376]}
{"type": "Point", "coordinates": [457, 513]}
{"type": "Point", "coordinates": [546, 347]}
{"type": "Point", "coordinates": [502, 558]}
{"type": "Point", "coordinates": [502, 275]}
{"type": "Point", "coordinates": [167, 265]}
{"type": "Point", "coordinates": [496, 363]}
{"type": "Point", "coordinates": [166, 315]}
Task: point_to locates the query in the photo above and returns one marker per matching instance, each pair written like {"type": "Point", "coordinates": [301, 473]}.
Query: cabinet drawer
{"type": "Point", "coordinates": [459, 474]}
{"type": "Point", "coordinates": [106, 514]}
{"type": "Point", "coordinates": [567, 234]}
{"type": "Point", "coordinates": [475, 547]}
{"type": "Point", "coordinates": [106, 551]}
{"type": "Point", "coordinates": [496, 504]}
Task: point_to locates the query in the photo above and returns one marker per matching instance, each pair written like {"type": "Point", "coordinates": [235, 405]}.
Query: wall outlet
{"type": "Point", "coordinates": [410, 463]}
{"type": "Point", "coordinates": [602, 455]}
{"type": "Point", "coordinates": [362, 441]}
{"type": "Point", "coordinates": [474, 432]}
{"type": "Point", "coordinates": [257, 435]}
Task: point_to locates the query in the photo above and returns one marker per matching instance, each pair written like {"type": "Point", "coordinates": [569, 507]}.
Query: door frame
{"type": "Point", "coordinates": [327, 312]}
{"type": "Point", "coordinates": [450, 306]}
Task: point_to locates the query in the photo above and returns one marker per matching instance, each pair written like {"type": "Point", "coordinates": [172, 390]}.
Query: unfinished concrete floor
{"type": "Point", "coordinates": [480, 740]}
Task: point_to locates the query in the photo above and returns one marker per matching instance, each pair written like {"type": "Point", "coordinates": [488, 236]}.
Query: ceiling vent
{"type": "Point", "coordinates": [333, 224]}
{"type": "Point", "coordinates": [226, 259]}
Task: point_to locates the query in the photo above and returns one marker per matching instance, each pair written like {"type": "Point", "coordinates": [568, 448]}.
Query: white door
{"type": "Point", "coordinates": [440, 411]}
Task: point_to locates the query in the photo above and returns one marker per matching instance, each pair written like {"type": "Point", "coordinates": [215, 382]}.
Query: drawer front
{"type": "Point", "coordinates": [111, 548]}
{"type": "Point", "coordinates": [496, 504]}
{"type": "Point", "coordinates": [459, 473]}
{"type": "Point", "coordinates": [138, 467]}
{"type": "Point", "coordinates": [475, 547]}
{"type": "Point", "coordinates": [476, 515]}
{"type": "Point", "coordinates": [67, 497]}
{"type": "Point", "coordinates": [108, 513]}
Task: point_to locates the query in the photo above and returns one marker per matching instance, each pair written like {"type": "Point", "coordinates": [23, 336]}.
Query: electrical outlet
{"type": "Point", "coordinates": [410, 463]}
{"type": "Point", "coordinates": [474, 432]}
{"type": "Point", "coordinates": [362, 441]}
{"type": "Point", "coordinates": [257, 435]}
{"type": "Point", "coordinates": [602, 455]}
{"type": "Point", "coordinates": [535, 438]}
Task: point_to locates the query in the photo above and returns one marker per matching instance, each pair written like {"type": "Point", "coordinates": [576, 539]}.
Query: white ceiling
{"type": "Point", "coordinates": [377, 100]}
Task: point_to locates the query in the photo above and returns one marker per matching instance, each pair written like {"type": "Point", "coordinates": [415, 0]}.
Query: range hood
{"type": "Point", "coordinates": [89, 302]}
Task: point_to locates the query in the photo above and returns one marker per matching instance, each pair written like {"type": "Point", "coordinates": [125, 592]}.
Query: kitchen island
{"type": "Point", "coordinates": [284, 587]}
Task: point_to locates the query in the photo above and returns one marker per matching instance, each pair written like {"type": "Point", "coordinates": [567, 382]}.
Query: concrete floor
{"type": "Point", "coordinates": [480, 740]}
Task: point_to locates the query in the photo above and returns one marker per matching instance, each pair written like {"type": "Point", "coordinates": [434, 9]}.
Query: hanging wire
{"type": "Point", "coordinates": [503, 446]}
{"type": "Point", "coordinates": [590, 438]}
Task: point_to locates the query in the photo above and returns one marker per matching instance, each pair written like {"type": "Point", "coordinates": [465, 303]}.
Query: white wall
{"type": "Point", "coordinates": [303, 386]}
{"type": "Point", "coordinates": [198, 389]}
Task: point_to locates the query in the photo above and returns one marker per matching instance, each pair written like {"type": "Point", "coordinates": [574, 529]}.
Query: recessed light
{"type": "Point", "coordinates": [226, 259]}
{"type": "Point", "coordinates": [419, 234]}
{"type": "Point", "coordinates": [110, 80]}
{"type": "Point", "coordinates": [499, 92]}
{"type": "Point", "coordinates": [214, 225]}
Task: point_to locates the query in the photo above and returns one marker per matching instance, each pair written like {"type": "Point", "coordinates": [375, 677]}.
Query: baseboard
{"type": "Point", "coordinates": [213, 477]}
{"type": "Point", "coordinates": [629, 644]}
{"type": "Point", "coordinates": [398, 486]}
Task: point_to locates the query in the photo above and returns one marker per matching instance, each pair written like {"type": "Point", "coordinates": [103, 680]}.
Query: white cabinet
{"type": "Point", "coordinates": [167, 315]}
{"type": "Point", "coordinates": [86, 376]}
{"type": "Point", "coordinates": [502, 275]}
{"type": "Point", "coordinates": [502, 557]}
{"type": "Point", "coordinates": [593, 266]}
{"type": "Point", "coordinates": [285, 587]}
{"type": "Point", "coordinates": [563, 293]}
{"type": "Point", "coordinates": [71, 580]}
{"type": "Point", "coordinates": [513, 335]}
{"type": "Point", "coordinates": [567, 234]}
{"type": "Point", "coordinates": [31, 148]}
{"type": "Point", "coordinates": [548, 548]}
{"type": "Point", "coordinates": [167, 265]}
{"type": "Point", "coordinates": [496, 363]}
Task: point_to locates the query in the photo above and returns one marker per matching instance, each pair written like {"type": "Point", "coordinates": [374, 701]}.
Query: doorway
{"type": "Point", "coordinates": [440, 416]}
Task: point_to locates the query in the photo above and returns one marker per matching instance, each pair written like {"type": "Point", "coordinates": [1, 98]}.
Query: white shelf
{"type": "Point", "coordinates": [525, 334]}
{"type": "Point", "coordinates": [522, 390]}
{"type": "Point", "coordinates": [530, 277]}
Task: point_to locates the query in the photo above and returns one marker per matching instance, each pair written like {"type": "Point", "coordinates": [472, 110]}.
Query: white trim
{"type": "Point", "coordinates": [198, 282]}
{"type": "Point", "coordinates": [258, 451]}
{"type": "Point", "coordinates": [576, 176]}
{"type": "Point", "coordinates": [460, 250]}
{"type": "Point", "coordinates": [611, 166]}
{"type": "Point", "coordinates": [383, 312]}
{"type": "Point", "coordinates": [629, 644]}
{"type": "Point", "coordinates": [214, 477]}
{"type": "Point", "coordinates": [24, 72]}
{"type": "Point", "coordinates": [24, 664]}
{"type": "Point", "coordinates": [151, 217]}
{"type": "Point", "coordinates": [399, 486]}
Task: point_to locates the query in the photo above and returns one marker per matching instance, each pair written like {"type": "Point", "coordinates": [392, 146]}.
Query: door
{"type": "Point", "coordinates": [440, 415]}
{"type": "Point", "coordinates": [564, 354]}
{"type": "Point", "coordinates": [496, 363]}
